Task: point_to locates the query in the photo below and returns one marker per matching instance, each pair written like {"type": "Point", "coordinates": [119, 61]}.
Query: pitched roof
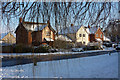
{"type": "Point", "coordinates": [71, 29]}
{"type": "Point", "coordinates": [33, 26]}
{"type": "Point", "coordinates": [2, 35]}
{"type": "Point", "coordinates": [92, 30]}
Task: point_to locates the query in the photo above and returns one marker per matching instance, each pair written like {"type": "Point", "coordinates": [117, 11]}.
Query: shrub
{"type": "Point", "coordinates": [91, 48]}
{"type": "Point", "coordinates": [22, 49]}
{"type": "Point", "coordinates": [7, 49]}
{"type": "Point", "coordinates": [41, 49]}
{"type": "Point", "coordinates": [62, 44]}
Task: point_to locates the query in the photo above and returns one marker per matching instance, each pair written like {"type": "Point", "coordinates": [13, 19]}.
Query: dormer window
{"type": "Point", "coordinates": [96, 35]}
{"type": "Point", "coordinates": [101, 35]}
{"type": "Point", "coordinates": [48, 33]}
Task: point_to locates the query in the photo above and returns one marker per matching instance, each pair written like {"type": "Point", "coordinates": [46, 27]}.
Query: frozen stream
{"type": "Point", "coordinates": [102, 66]}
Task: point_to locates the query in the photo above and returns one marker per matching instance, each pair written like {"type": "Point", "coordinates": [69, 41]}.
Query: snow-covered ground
{"type": "Point", "coordinates": [102, 66]}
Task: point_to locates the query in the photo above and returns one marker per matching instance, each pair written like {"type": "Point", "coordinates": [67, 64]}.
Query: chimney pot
{"type": "Point", "coordinates": [48, 22]}
{"type": "Point", "coordinates": [89, 26]}
{"type": "Point", "coordinates": [71, 24]}
{"type": "Point", "coordinates": [20, 19]}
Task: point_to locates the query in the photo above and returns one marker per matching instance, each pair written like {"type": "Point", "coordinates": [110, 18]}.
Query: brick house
{"type": "Point", "coordinates": [97, 33]}
{"type": "Point", "coordinates": [31, 33]}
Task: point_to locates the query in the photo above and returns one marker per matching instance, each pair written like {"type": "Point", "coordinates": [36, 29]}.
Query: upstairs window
{"type": "Point", "coordinates": [101, 36]}
{"type": "Point", "coordinates": [83, 35]}
{"type": "Point", "coordinates": [80, 35]}
{"type": "Point", "coordinates": [96, 35]}
{"type": "Point", "coordinates": [48, 33]}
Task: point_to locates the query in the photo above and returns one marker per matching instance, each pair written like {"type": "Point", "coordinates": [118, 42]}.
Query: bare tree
{"type": "Point", "coordinates": [63, 13]}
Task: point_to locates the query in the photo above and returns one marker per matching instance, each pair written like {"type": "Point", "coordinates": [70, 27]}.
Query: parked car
{"type": "Point", "coordinates": [77, 49]}
{"type": "Point", "coordinates": [114, 45]}
{"type": "Point", "coordinates": [102, 46]}
{"type": "Point", "coordinates": [118, 47]}
{"type": "Point", "coordinates": [53, 50]}
{"type": "Point", "coordinates": [107, 43]}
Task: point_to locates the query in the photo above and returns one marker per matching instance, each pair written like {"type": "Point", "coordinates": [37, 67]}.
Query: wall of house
{"type": "Point", "coordinates": [37, 36]}
{"type": "Point", "coordinates": [9, 38]}
{"type": "Point", "coordinates": [92, 37]}
{"type": "Point", "coordinates": [21, 36]}
{"type": "Point", "coordinates": [44, 34]}
{"type": "Point", "coordinates": [99, 34]}
{"type": "Point", "coordinates": [29, 37]}
{"type": "Point", "coordinates": [82, 39]}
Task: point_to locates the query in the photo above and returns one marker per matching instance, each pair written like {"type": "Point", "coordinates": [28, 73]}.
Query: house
{"type": "Point", "coordinates": [84, 35]}
{"type": "Point", "coordinates": [77, 34]}
{"type": "Point", "coordinates": [7, 38]}
{"type": "Point", "coordinates": [32, 33]}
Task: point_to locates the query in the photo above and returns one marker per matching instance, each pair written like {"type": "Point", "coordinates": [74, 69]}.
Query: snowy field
{"type": "Point", "coordinates": [102, 66]}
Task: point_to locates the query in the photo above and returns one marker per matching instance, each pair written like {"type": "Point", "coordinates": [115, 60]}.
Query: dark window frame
{"type": "Point", "coordinates": [83, 35]}
{"type": "Point", "coordinates": [80, 35]}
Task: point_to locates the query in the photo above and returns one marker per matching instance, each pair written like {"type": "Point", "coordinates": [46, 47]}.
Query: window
{"type": "Point", "coordinates": [101, 35]}
{"type": "Point", "coordinates": [96, 35]}
{"type": "Point", "coordinates": [83, 42]}
{"type": "Point", "coordinates": [83, 35]}
{"type": "Point", "coordinates": [48, 33]}
{"type": "Point", "coordinates": [80, 42]}
{"type": "Point", "coordinates": [80, 35]}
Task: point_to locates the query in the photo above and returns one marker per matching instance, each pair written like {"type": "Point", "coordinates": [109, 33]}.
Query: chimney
{"type": "Point", "coordinates": [20, 20]}
{"type": "Point", "coordinates": [89, 26]}
{"type": "Point", "coordinates": [71, 24]}
{"type": "Point", "coordinates": [48, 22]}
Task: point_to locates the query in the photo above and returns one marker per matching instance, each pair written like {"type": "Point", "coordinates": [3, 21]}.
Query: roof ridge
{"type": "Point", "coordinates": [27, 22]}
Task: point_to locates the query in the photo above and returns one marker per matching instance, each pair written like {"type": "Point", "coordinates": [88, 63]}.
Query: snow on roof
{"type": "Point", "coordinates": [40, 27]}
{"type": "Point", "coordinates": [49, 39]}
{"type": "Point", "coordinates": [64, 38]}
{"type": "Point", "coordinates": [71, 29]}
{"type": "Point", "coordinates": [99, 40]}
{"type": "Point", "coordinates": [88, 30]}
{"type": "Point", "coordinates": [93, 30]}
{"type": "Point", "coordinates": [34, 26]}
{"type": "Point", "coordinates": [105, 38]}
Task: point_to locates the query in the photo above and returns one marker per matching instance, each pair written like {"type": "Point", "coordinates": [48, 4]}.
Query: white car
{"type": "Point", "coordinates": [114, 45]}
{"type": "Point", "coordinates": [77, 49]}
{"type": "Point", "coordinates": [102, 47]}
{"type": "Point", "coordinates": [118, 47]}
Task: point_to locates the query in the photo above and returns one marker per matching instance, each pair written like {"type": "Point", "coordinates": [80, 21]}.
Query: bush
{"type": "Point", "coordinates": [62, 44]}
{"type": "Point", "coordinates": [91, 48]}
{"type": "Point", "coordinates": [22, 49]}
{"type": "Point", "coordinates": [41, 49]}
{"type": "Point", "coordinates": [7, 49]}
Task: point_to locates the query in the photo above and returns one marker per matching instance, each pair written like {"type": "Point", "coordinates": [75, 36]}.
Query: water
{"type": "Point", "coordinates": [102, 66]}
